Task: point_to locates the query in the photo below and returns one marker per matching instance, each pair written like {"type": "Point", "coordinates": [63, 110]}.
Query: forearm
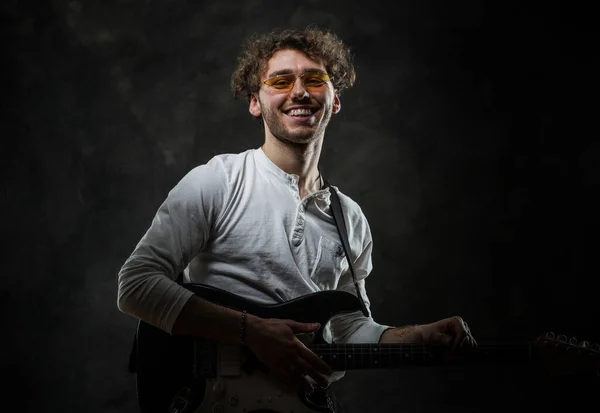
{"type": "Point", "coordinates": [203, 319]}
{"type": "Point", "coordinates": [407, 334]}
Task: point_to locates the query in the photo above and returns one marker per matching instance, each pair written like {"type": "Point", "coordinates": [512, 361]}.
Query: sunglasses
{"type": "Point", "coordinates": [312, 81]}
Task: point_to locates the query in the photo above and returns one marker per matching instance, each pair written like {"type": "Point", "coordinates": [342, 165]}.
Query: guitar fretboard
{"type": "Point", "coordinates": [372, 356]}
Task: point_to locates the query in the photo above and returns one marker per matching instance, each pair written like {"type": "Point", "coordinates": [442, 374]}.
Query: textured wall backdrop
{"type": "Point", "coordinates": [469, 139]}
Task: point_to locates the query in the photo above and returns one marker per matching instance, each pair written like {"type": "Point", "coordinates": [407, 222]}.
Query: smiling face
{"type": "Point", "coordinates": [299, 115]}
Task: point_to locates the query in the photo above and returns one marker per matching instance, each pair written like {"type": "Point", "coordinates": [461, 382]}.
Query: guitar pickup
{"type": "Point", "coordinates": [230, 360]}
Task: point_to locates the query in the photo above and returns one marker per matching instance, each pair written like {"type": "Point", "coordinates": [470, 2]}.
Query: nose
{"type": "Point", "coordinates": [299, 90]}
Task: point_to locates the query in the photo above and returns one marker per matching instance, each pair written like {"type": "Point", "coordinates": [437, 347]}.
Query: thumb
{"type": "Point", "coordinates": [303, 327]}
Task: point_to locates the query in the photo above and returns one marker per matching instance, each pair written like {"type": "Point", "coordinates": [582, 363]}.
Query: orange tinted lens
{"type": "Point", "coordinates": [283, 82]}
{"type": "Point", "coordinates": [315, 80]}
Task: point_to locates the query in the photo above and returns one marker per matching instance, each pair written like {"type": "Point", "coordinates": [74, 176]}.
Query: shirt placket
{"type": "Point", "coordinates": [298, 233]}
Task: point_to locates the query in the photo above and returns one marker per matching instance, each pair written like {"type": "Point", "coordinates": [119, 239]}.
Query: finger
{"type": "Point", "coordinates": [458, 339]}
{"type": "Point", "coordinates": [466, 342]}
{"type": "Point", "coordinates": [315, 361]}
{"type": "Point", "coordinates": [463, 331]}
{"type": "Point", "coordinates": [469, 341]}
{"type": "Point", "coordinates": [459, 333]}
{"type": "Point", "coordinates": [292, 379]}
{"type": "Point", "coordinates": [306, 338]}
{"type": "Point", "coordinates": [472, 342]}
{"type": "Point", "coordinates": [289, 371]}
{"type": "Point", "coordinates": [312, 372]}
{"type": "Point", "coordinates": [302, 327]}
{"type": "Point", "coordinates": [300, 383]}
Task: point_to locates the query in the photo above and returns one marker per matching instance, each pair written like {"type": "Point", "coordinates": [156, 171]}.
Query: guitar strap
{"type": "Point", "coordinates": [338, 217]}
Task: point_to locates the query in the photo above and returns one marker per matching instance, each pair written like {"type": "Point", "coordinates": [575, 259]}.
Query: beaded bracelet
{"type": "Point", "coordinates": [243, 327]}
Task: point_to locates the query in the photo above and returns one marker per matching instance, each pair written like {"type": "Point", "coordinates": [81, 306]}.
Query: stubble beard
{"type": "Point", "coordinates": [301, 136]}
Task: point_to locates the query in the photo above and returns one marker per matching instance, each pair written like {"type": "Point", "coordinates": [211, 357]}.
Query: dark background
{"type": "Point", "coordinates": [470, 141]}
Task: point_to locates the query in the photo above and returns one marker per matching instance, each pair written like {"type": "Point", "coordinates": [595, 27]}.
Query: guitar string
{"type": "Point", "coordinates": [419, 348]}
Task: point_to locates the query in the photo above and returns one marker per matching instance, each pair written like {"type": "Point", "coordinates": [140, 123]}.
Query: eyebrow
{"type": "Point", "coordinates": [289, 72]}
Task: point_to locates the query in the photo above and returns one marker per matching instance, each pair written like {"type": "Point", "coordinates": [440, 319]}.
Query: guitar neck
{"type": "Point", "coordinates": [381, 356]}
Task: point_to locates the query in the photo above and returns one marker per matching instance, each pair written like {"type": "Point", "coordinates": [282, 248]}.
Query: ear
{"type": "Point", "coordinates": [337, 104]}
{"type": "Point", "coordinates": [255, 108]}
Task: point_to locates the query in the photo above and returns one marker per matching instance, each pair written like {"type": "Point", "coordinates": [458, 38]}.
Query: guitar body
{"type": "Point", "coordinates": [179, 374]}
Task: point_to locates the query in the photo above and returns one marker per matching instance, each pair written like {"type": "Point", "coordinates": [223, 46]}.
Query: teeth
{"type": "Point", "coordinates": [299, 112]}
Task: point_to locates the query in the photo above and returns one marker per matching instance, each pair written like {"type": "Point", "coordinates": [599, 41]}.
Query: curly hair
{"type": "Point", "coordinates": [316, 43]}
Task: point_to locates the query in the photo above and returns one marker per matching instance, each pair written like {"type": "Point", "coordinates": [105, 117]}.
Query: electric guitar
{"type": "Point", "coordinates": [179, 374]}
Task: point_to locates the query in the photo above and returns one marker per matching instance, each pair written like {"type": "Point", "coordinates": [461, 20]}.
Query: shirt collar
{"type": "Point", "coordinates": [264, 160]}
{"type": "Point", "coordinates": [268, 164]}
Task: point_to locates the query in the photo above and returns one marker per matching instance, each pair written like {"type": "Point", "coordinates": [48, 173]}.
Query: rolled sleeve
{"type": "Point", "coordinates": [355, 328]}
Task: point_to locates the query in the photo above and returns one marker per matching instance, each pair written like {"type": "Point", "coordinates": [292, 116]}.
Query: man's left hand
{"type": "Point", "coordinates": [452, 331]}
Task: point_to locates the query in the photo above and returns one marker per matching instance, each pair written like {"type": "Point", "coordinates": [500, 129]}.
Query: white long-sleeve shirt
{"type": "Point", "coordinates": [238, 223]}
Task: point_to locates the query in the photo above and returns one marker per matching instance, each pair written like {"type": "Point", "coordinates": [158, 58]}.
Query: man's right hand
{"type": "Point", "coordinates": [275, 344]}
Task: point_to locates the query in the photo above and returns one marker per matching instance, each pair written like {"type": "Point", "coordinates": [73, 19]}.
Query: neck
{"type": "Point", "coordinates": [301, 159]}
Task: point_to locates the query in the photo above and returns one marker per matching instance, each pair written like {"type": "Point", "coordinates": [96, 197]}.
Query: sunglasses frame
{"type": "Point", "coordinates": [323, 76]}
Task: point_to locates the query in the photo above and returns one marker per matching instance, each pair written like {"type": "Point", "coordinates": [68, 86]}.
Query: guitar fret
{"type": "Point", "coordinates": [357, 356]}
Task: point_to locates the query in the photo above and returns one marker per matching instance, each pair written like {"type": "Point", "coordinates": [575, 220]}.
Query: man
{"type": "Point", "coordinates": [259, 223]}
